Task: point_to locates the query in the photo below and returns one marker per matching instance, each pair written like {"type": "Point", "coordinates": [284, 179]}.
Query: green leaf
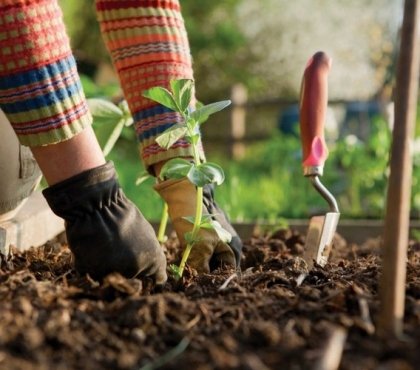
{"type": "Point", "coordinates": [172, 135]}
{"type": "Point", "coordinates": [191, 124]}
{"type": "Point", "coordinates": [198, 177]}
{"type": "Point", "coordinates": [176, 168]}
{"type": "Point", "coordinates": [104, 112]}
{"type": "Point", "coordinates": [213, 171]}
{"type": "Point", "coordinates": [161, 96]}
{"type": "Point", "coordinates": [190, 219]}
{"type": "Point", "coordinates": [206, 217]}
{"type": "Point", "coordinates": [206, 173]}
{"type": "Point", "coordinates": [206, 225]}
{"type": "Point", "coordinates": [182, 90]}
{"type": "Point", "coordinates": [186, 99]}
{"type": "Point", "coordinates": [206, 220]}
{"type": "Point", "coordinates": [144, 176]}
{"type": "Point", "coordinates": [128, 121]}
{"type": "Point", "coordinates": [123, 105]}
{"type": "Point", "coordinates": [175, 270]}
{"type": "Point", "coordinates": [211, 224]}
{"type": "Point", "coordinates": [194, 139]}
{"type": "Point", "coordinates": [112, 139]}
{"type": "Point", "coordinates": [188, 236]}
{"type": "Point", "coordinates": [201, 114]}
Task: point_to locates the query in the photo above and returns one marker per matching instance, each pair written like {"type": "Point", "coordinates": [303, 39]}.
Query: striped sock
{"type": "Point", "coordinates": [40, 90]}
{"type": "Point", "coordinates": [148, 44]}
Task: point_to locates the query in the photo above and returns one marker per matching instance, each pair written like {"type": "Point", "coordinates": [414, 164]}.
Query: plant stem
{"type": "Point", "coordinates": [163, 222]}
{"type": "Point", "coordinates": [198, 215]}
{"type": "Point", "coordinates": [195, 230]}
{"type": "Point", "coordinates": [196, 153]}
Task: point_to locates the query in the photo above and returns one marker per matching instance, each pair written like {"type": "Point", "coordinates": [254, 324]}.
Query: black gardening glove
{"type": "Point", "coordinates": [105, 230]}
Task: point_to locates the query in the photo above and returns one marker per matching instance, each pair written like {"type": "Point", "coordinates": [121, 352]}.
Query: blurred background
{"type": "Point", "coordinates": [254, 53]}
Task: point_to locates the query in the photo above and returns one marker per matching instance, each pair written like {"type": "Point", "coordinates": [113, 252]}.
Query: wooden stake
{"type": "Point", "coordinates": [239, 97]}
{"type": "Point", "coordinates": [396, 234]}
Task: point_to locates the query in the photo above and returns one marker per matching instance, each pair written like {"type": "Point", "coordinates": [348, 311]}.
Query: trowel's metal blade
{"type": "Point", "coordinates": [319, 238]}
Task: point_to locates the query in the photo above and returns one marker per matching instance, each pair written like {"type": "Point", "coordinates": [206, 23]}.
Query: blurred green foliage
{"type": "Point", "coordinates": [268, 184]}
{"type": "Point", "coordinates": [84, 33]}
{"type": "Point", "coordinates": [92, 90]}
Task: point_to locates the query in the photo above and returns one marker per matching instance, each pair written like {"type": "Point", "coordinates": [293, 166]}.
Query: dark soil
{"type": "Point", "coordinates": [51, 318]}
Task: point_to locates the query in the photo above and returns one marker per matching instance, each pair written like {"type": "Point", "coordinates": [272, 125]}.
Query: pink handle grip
{"type": "Point", "coordinates": [313, 109]}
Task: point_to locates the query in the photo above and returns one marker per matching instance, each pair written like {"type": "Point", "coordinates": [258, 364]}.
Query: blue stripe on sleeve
{"type": "Point", "coordinates": [47, 100]}
{"type": "Point", "coordinates": [37, 74]}
{"type": "Point", "coordinates": [147, 113]}
{"type": "Point", "coordinates": [155, 131]}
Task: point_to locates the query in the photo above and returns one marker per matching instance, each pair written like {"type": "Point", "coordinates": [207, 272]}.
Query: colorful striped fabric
{"type": "Point", "coordinates": [148, 44]}
{"type": "Point", "coordinates": [40, 91]}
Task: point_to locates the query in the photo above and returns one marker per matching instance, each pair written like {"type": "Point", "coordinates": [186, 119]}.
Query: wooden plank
{"type": "Point", "coordinates": [353, 231]}
{"type": "Point", "coordinates": [392, 284]}
{"type": "Point", "coordinates": [239, 97]}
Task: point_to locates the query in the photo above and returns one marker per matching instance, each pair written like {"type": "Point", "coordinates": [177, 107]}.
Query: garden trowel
{"type": "Point", "coordinates": [313, 108]}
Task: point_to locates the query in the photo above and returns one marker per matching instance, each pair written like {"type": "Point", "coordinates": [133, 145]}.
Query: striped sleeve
{"type": "Point", "coordinates": [148, 44]}
{"type": "Point", "coordinates": [40, 90]}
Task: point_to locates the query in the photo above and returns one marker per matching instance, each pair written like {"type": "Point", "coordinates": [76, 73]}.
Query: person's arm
{"type": "Point", "coordinates": [40, 90]}
{"type": "Point", "coordinates": [149, 47]}
{"type": "Point", "coordinates": [42, 97]}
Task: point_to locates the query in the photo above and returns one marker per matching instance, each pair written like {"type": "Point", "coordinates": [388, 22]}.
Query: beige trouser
{"type": "Point", "coordinates": [19, 173]}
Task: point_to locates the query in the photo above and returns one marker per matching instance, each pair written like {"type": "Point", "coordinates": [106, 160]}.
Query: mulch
{"type": "Point", "coordinates": [52, 318]}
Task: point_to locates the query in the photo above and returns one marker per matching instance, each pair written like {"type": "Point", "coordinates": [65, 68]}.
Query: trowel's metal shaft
{"type": "Point", "coordinates": [321, 189]}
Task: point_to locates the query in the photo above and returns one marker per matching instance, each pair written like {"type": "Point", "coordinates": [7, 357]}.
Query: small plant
{"type": "Point", "coordinates": [198, 172]}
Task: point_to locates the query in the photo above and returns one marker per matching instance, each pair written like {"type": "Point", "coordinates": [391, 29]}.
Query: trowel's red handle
{"type": "Point", "coordinates": [313, 110]}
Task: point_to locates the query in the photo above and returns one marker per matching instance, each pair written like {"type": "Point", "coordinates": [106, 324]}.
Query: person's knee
{"type": "Point", "coordinates": [19, 173]}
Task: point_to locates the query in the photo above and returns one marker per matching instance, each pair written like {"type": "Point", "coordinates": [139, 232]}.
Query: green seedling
{"type": "Point", "coordinates": [161, 235]}
{"type": "Point", "coordinates": [199, 172]}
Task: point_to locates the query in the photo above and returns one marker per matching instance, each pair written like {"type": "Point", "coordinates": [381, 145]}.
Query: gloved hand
{"type": "Point", "coordinates": [105, 230]}
{"type": "Point", "coordinates": [210, 252]}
